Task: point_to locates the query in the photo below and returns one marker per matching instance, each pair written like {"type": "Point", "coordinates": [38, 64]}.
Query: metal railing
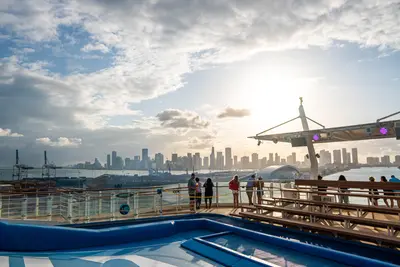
{"type": "Point", "coordinates": [91, 205]}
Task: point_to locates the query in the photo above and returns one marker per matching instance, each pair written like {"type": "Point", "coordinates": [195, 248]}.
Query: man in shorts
{"type": "Point", "coordinates": [192, 191]}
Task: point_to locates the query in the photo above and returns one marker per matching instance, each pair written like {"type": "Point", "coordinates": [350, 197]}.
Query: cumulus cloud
{"type": "Point", "coordinates": [156, 44]}
{"type": "Point", "coordinates": [175, 118]}
{"type": "Point", "coordinates": [234, 113]}
{"type": "Point", "coordinates": [95, 47]}
{"type": "Point", "coordinates": [60, 142]}
{"type": "Point", "coordinates": [7, 132]}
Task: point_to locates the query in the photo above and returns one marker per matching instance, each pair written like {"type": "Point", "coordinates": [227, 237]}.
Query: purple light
{"type": "Point", "coordinates": [383, 131]}
{"type": "Point", "coordinates": [316, 137]}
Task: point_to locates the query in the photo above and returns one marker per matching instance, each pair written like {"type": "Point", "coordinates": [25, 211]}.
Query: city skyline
{"type": "Point", "coordinates": [185, 75]}
{"type": "Point", "coordinates": [227, 161]}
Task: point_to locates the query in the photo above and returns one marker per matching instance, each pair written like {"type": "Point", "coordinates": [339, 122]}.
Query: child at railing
{"type": "Point", "coordinates": [198, 193]}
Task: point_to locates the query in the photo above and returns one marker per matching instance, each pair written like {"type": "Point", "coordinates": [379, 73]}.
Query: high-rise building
{"type": "Point", "coordinates": [397, 160]}
{"type": "Point", "coordinates": [254, 161]}
{"type": "Point", "coordinates": [283, 162]}
{"type": "Point", "coordinates": [348, 159]}
{"type": "Point", "coordinates": [136, 163]}
{"type": "Point", "coordinates": [235, 162]}
{"type": "Point", "coordinates": [114, 159]}
{"type": "Point", "coordinates": [228, 158]}
{"type": "Point", "coordinates": [336, 157]}
{"type": "Point", "coordinates": [344, 156]}
{"type": "Point", "coordinates": [271, 159]}
{"type": "Point", "coordinates": [159, 159]}
{"type": "Point", "coordinates": [294, 158]}
{"type": "Point", "coordinates": [263, 163]}
{"type": "Point", "coordinates": [119, 163]}
{"type": "Point", "coordinates": [127, 163]}
{"type": "Point", "coordinates": [174, 158]}
{"type": "Point", "coordinates": [325, 157]}
{"type": "Point", "coordinates": [354, 153]}
{"type": "Point", "coordinates": [197, 161]}
{"type": "Point", "coordinates": [145, 158]}
{"type": "Point", "coordinates": [245, 161]}
{"type": "Point", "coordinates": [108, 165]}
{"type": "Point", "coordinates": [220, 161]}
{"type": "Point", "coordinates": [206, 163]}
{"type": "Point", "coordinates": [212, 159]}
{"type": "Point", "coordinates": [385, 160]}
{"type": "Point", "coordinates": [372, 160]}
{"type": "Point", "coordinates": [189, 163]}
{"type": "Point", "coordinates": [277, 159]}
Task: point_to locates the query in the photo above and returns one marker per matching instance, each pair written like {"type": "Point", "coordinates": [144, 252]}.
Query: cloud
{"type": "Point", "coordinates": [95, 47]}
{"type": "Point", "coordinates": [154, 45]}
{"type": "Point", "coordinates": [175, 118]}
{"type": "Point", "coordinates": [7, 132]}
{"type": "Point", "coordinates": [234, 113]}
{"type": "Point", "coordinates": [60, 142]}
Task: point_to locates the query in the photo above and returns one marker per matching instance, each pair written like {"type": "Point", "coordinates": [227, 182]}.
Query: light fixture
{"type": "Point", "coordinates": [275, 141]}
{"type": "Point", "coordinates": [259, 143]}
{"type": "Point", "coordinates": [317, 156]}
{"type": "Point", "coordinates": [316, 137]}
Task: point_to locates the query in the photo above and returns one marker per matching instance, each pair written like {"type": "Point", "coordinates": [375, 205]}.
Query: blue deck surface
{"type": "Point", "coordinates": [194, 240]}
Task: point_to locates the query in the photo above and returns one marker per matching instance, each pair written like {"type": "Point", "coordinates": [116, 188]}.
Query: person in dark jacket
{"type": "Point", "coordinates": [208, 192]}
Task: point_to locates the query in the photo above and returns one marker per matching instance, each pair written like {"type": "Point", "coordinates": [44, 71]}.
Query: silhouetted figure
{"type": "Point", "coordinates": [387, 192]}
{"type": "Point", "coordinates": [208, 192]}
{"type": "Point", "coordinates": [343, 190]}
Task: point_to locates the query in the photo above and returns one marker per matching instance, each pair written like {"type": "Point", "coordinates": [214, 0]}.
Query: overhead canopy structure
{"type": "Point", "coordinates": [376, 130]}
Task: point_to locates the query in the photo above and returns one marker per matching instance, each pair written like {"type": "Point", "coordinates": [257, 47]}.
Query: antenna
{"type": "Point", "coordinates": [45, 157]}
{"type": "Point", "coordinates": [16, 157]}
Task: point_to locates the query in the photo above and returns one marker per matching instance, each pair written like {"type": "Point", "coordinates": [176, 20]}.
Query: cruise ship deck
{"type": "Point", "coordinates": [184, 240]}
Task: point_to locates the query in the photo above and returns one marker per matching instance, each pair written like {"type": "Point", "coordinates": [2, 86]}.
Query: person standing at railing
{"type": "Point", "coordinates": [387, 192]}
{"type": "Point", "coordinates": [234, 187]}
{"type": "Point", "coordinates": [208, 192]}
{"type": "Point", "coordinates": [374, 200]}
{"type": "Point", "coordinates": [393, 179]}
{"type": "Point", "coordinates": [192, 191]}
{"type": "Point", "coordinates": [260, 189]}
{"type": "Point", "coordinates": [250, 188]}
{"type": "Point", "coordinates": [343, 190]}
{"type": "Point", "coordinates": [198, 193]}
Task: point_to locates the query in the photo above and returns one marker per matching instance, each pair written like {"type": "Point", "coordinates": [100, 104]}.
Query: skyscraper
{"type": "Point", "coordinates": [189, 164]}
{"type": "Point", "coordinates": [145, 158]}
{"type": "Point", "coordinates": [348, 158]}
{"type": "Point", "coordinates": [212, 159]}
{"type": "Point", "coordinates": [220, 161]}
{"type": "Point", "coordinates": [174, 158]}
{"type": "Point", "coordinates": [245, 162]}
{"type": "Point", "coordinates": [271, 159]}
{"type": "Point", "coordinates": [228, 158]}
{"type": "Point", "coordinates": [277, 159]}
{"type": "Point", "coordinates": [294, 158]}
{"type": "Point", "coordinates": [344, 156]}
{"type": "Point", "coordinates": [354, 153]}
{"type": "Point", "coordinates": [108, 161]}
{"type": "Point", "coordinates": [254, 161]}
{"type": "Point", "coordinates": [159, 159]}
{"type": "Point", "coordinates": [336, 157]}
{"type": "Point", "coordinates": [114, 159]}
{"type": "Point", "coordinates": [197, 161]}
{"type": "Point", "coordinates": [235, 162]}
{"type": "Point", "coordinates": [206, 163]}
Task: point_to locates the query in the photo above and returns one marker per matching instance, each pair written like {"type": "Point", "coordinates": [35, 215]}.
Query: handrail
{"type": "Point", "coordinates": [349, 184]}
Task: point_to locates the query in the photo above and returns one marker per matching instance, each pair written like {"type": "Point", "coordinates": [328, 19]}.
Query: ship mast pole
{"type": "Point", "coordinates": [310, 145]}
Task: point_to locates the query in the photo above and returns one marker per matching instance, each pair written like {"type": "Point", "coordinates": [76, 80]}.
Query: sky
{"type": "Point", "coordinates": [82, 78]}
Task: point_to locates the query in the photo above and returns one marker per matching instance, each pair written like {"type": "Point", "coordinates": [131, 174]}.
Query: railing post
{"type": "Point", "coordinates": [216, 194]}
{"type": "Point", "coordinates": [24, 207]}
{"type": "Point", "coordinates": [1, 204]}
{"type": "Point", "coordinates": [69, 208]}
{"type": "Point", "coordinates": [155, 198]}
{"type": "Point", "coordinates": [37, 206]}
{"type": "Point", "coordinates": [136, 204]}
{"type": "Point", "coordinates": [160, 193]}
{"type": "Point", "coordinates": [179, 196]}
{"type": "Point", "coordinates": [112, 206]}
{"type": "Point", "coordinates": [49, 206]}
{"type": "Point", "coordinates": [100, 202]}
{"type": "Point", "coordinates": [87, 207]}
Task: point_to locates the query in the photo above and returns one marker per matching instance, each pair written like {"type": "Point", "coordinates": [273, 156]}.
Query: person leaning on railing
{"type": "Point", "coordinates": [387, 192]}
{"type": "Point", "coordinates": [208, 192]}
{"type": "Point", "coordinates": [234, 187]}
{"type": "Point", "coordinates": [250, 188]}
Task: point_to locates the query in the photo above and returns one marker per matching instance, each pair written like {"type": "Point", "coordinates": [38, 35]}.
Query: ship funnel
{"type": "Point", "coordinates": [45, 157]}
{"type": "Point", "coordinates": [16, 157]}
